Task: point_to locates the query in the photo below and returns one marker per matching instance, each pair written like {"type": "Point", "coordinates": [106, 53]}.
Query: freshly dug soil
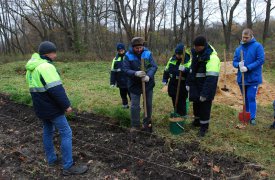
{"type": "Point", "coordinates": [110, 151]}
{"type": "Point", "coordinates": [233, 97]}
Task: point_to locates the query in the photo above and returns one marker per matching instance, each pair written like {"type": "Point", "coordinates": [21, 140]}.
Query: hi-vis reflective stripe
{"type": "Point", "coordinates": [46, 87]}
{"type": "Point", "coordinates": [212, 73]}
{"type": "Point", "coordinates": [116, 70]}
{"type": "Point", "coordinates": [200, 74]}
{"type": "Point", "coordinates": [204, 121]}
{"type": "Point", "coordinates": [38, 89]}
{"type": "Point", "coordinates": [53, 84]}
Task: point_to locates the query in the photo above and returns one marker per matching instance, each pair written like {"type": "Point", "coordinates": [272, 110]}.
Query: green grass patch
{"type": "Point", "coordinates": [87, 85]}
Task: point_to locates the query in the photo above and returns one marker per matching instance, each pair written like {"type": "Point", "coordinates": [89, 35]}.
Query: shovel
{"type": "Point", "coordinates": [224, 87]}
{"type": "Point", "coordinates": [175, 114]}
{"type": "Point", "coordinates": [244, 116]}
{"type": "Point", "coordinates": [143, 90]}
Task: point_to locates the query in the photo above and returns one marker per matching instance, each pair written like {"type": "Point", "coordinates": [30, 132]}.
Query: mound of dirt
{"type": "Point", "coordinates": [233, 97]}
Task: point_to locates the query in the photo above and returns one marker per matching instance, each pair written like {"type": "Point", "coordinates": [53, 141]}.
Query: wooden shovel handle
{"type": "Point", "coordinates": [144, 90]}
{"type": "Point", "coordinates": [179, 82]}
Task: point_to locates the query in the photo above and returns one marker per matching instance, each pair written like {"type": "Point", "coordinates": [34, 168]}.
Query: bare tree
{"type": "Point", "coordinates": [227, 21]}
{"type": "Point", "coordinates": [249, 14]}
{"type": "Point", "coordinates": [267, 19]}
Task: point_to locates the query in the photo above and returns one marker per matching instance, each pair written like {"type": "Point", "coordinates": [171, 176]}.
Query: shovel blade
{"type": "Point", "coordinates": [244, 117]}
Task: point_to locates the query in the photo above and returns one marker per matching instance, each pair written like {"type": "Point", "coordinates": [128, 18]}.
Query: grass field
{"type": "Point", "coordinates": [87, 85]}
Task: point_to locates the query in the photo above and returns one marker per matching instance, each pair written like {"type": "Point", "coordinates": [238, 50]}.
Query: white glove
{"type": "Point", "coordinates": [140, 74]}
{"type": "Point", "coordinates": [164, 83]}
{"type": "Point", "coordinates": [202, 99]}
{"type": "Point", "coordinates": [187, 88]}
{"type": "Point", "coordinates": [181, 68]}
{"type": "Point", "coordinates": [241, 64]}
{"type": "Point", "coordinates": [145, 78]}
{"type": "Point", "coordinates": [112, 86]}
{"type": "Point", "coordinates": [243, 69]}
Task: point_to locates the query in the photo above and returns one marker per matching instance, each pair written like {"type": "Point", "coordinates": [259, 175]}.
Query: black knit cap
{"type": "Point", "coordinates": [200, 41]}
{"type": "Point", "coordinates": [137, 41]}
{"type": "Point", "coordinates": [46, 47]}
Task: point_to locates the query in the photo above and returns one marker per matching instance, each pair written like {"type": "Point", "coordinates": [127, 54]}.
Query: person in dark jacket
{"type": "Point", "coordinates": [202, 82]}
{"type": "Point", "coordinates": [50, 103]}
{"type": "Point", "coordinates": [251, 66]}
{"type": "Point", "coordinates": [132, 67]}
{"type": "Point", "coordinates": [171, 74]}
{"type": "Point", "coordinates": [118, 77]}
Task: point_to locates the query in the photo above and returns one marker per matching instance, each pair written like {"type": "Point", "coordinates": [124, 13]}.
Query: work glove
{"type": "Point", "coordinates": [140, 74]}
{"type": "Point", "coordinates": [145, 78]}
{"type": "Point", "coordinates": [241, 64]}
{"type": "Point", "coordinates": [202, 99]}
{"type": "Point", "coordinates": [181, 68]}
{"type": "Point", "coordinates": [164, 83]}
{"type": "Point", "coordinates": [187, 88]}
{"type": "Point", "coordinates": [112, 86]}
{"type": "Point", "coordinates": [243, 69]}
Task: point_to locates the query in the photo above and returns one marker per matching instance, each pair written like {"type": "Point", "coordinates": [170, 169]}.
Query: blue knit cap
{"type": "Point", "coordinates": [120, 46]}
{"type": "Point", "coordinates": [179, 49]}
{"type": "Point", "coordinates": [46, 47]}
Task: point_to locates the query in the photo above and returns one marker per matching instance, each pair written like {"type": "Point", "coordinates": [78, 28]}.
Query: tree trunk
{"type": "Point", "coordinates": [248, 14]}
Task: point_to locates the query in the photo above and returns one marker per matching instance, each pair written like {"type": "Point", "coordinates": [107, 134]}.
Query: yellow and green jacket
{"type": "Point", "coordinates": [171, 74]}
{"type": "Point", "coordinates": [45, 86]}
{"type": "Point", "coordinates": [204, 74]}
{"type": "Point", "coordinates": [118, 77]}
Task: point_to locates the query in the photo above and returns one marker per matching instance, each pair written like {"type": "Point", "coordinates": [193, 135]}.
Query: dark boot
{"type": "Point", "coordinates": [75, 170]}
{"type": "Point", "coordinates": [203, 130]}
{"type": "Point", "coordinates": [196, 122]}
{"type": "Point", "coordinates": [147, 125]}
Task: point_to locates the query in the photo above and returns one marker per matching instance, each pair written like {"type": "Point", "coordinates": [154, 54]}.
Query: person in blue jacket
{"type": "Point", "coordinates": [251, 66]}
{"type": "Point", "coordinates": [132, 67]}
{"type": "Point", "coordinates": [50, 104]}
{"type": "Point", "coordinates": [202, 82]}
{"type": "Point", "coordinates": [118, 77]}
{"type": "Point", "coordinates": [171, 74]}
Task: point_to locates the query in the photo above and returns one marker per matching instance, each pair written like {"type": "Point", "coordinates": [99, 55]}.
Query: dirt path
{"type": "Point", "coordinates": [112, 152]}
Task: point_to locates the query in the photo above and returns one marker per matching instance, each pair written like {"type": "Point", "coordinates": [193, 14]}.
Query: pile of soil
{"type": "Point", "coordinates": [233, 97]}
{"type": "Point", "coordinates": [112, 152]}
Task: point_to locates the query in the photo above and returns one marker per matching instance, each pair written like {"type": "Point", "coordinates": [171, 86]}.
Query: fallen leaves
{"type": "Point", "coordinates": [216, 169]}
{"type": "Point", "coordinates": [240, 126]}
{"type": "Point", "coordinates": [264, 174]}
{"type": "Point", "coordinates": [195, 161]}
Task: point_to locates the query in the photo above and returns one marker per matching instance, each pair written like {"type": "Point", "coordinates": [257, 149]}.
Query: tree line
{"type": "Point", "coordinates": [94, 26]}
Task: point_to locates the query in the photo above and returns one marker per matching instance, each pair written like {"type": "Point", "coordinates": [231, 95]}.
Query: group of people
{"type": "Point", "coordinates": [198, 82]}
{"type": "Point", "coordinates": [199, 68]}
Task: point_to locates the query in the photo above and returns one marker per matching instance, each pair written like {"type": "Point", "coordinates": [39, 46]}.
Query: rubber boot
{"type": "Point", "coordinates": [196, 122]}
{"type": "Point", "coordinates": [75, 170]}
{"type": "Point", "coordinates": [203, 130]}
{"type": "Point", "coordinates": [272, 126]}
{"type": "Point", "coordinates": [147, 125]}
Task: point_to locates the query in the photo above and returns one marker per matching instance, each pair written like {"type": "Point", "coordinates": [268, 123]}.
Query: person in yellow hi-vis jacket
{"type": "Point", "coordinates": [118, 78]}
{"type": "Point", "coordinates": [202, 82]}
{"type": "Point", "coordinates": [50, 103]}
{"type": "Point", "coordinates": [171, 74]}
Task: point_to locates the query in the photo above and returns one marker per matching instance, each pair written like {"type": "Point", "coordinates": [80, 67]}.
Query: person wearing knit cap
{"type": "Point", "coordinates": [118, 77]}
{"type": "Point", "coordinates": [132, 67]}
{"type": "Point", "coordinates": [50, 104]}
{"type": "Point", "coordinates": [202, 82]}
{"type": "Point", "coordinates": [251, 67]}
{"type": "Point", "coordinates": [171, 73]}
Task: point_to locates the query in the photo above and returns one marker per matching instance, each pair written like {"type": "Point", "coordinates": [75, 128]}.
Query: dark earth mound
{"type": "Point", "coordinates": [112, 152]}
